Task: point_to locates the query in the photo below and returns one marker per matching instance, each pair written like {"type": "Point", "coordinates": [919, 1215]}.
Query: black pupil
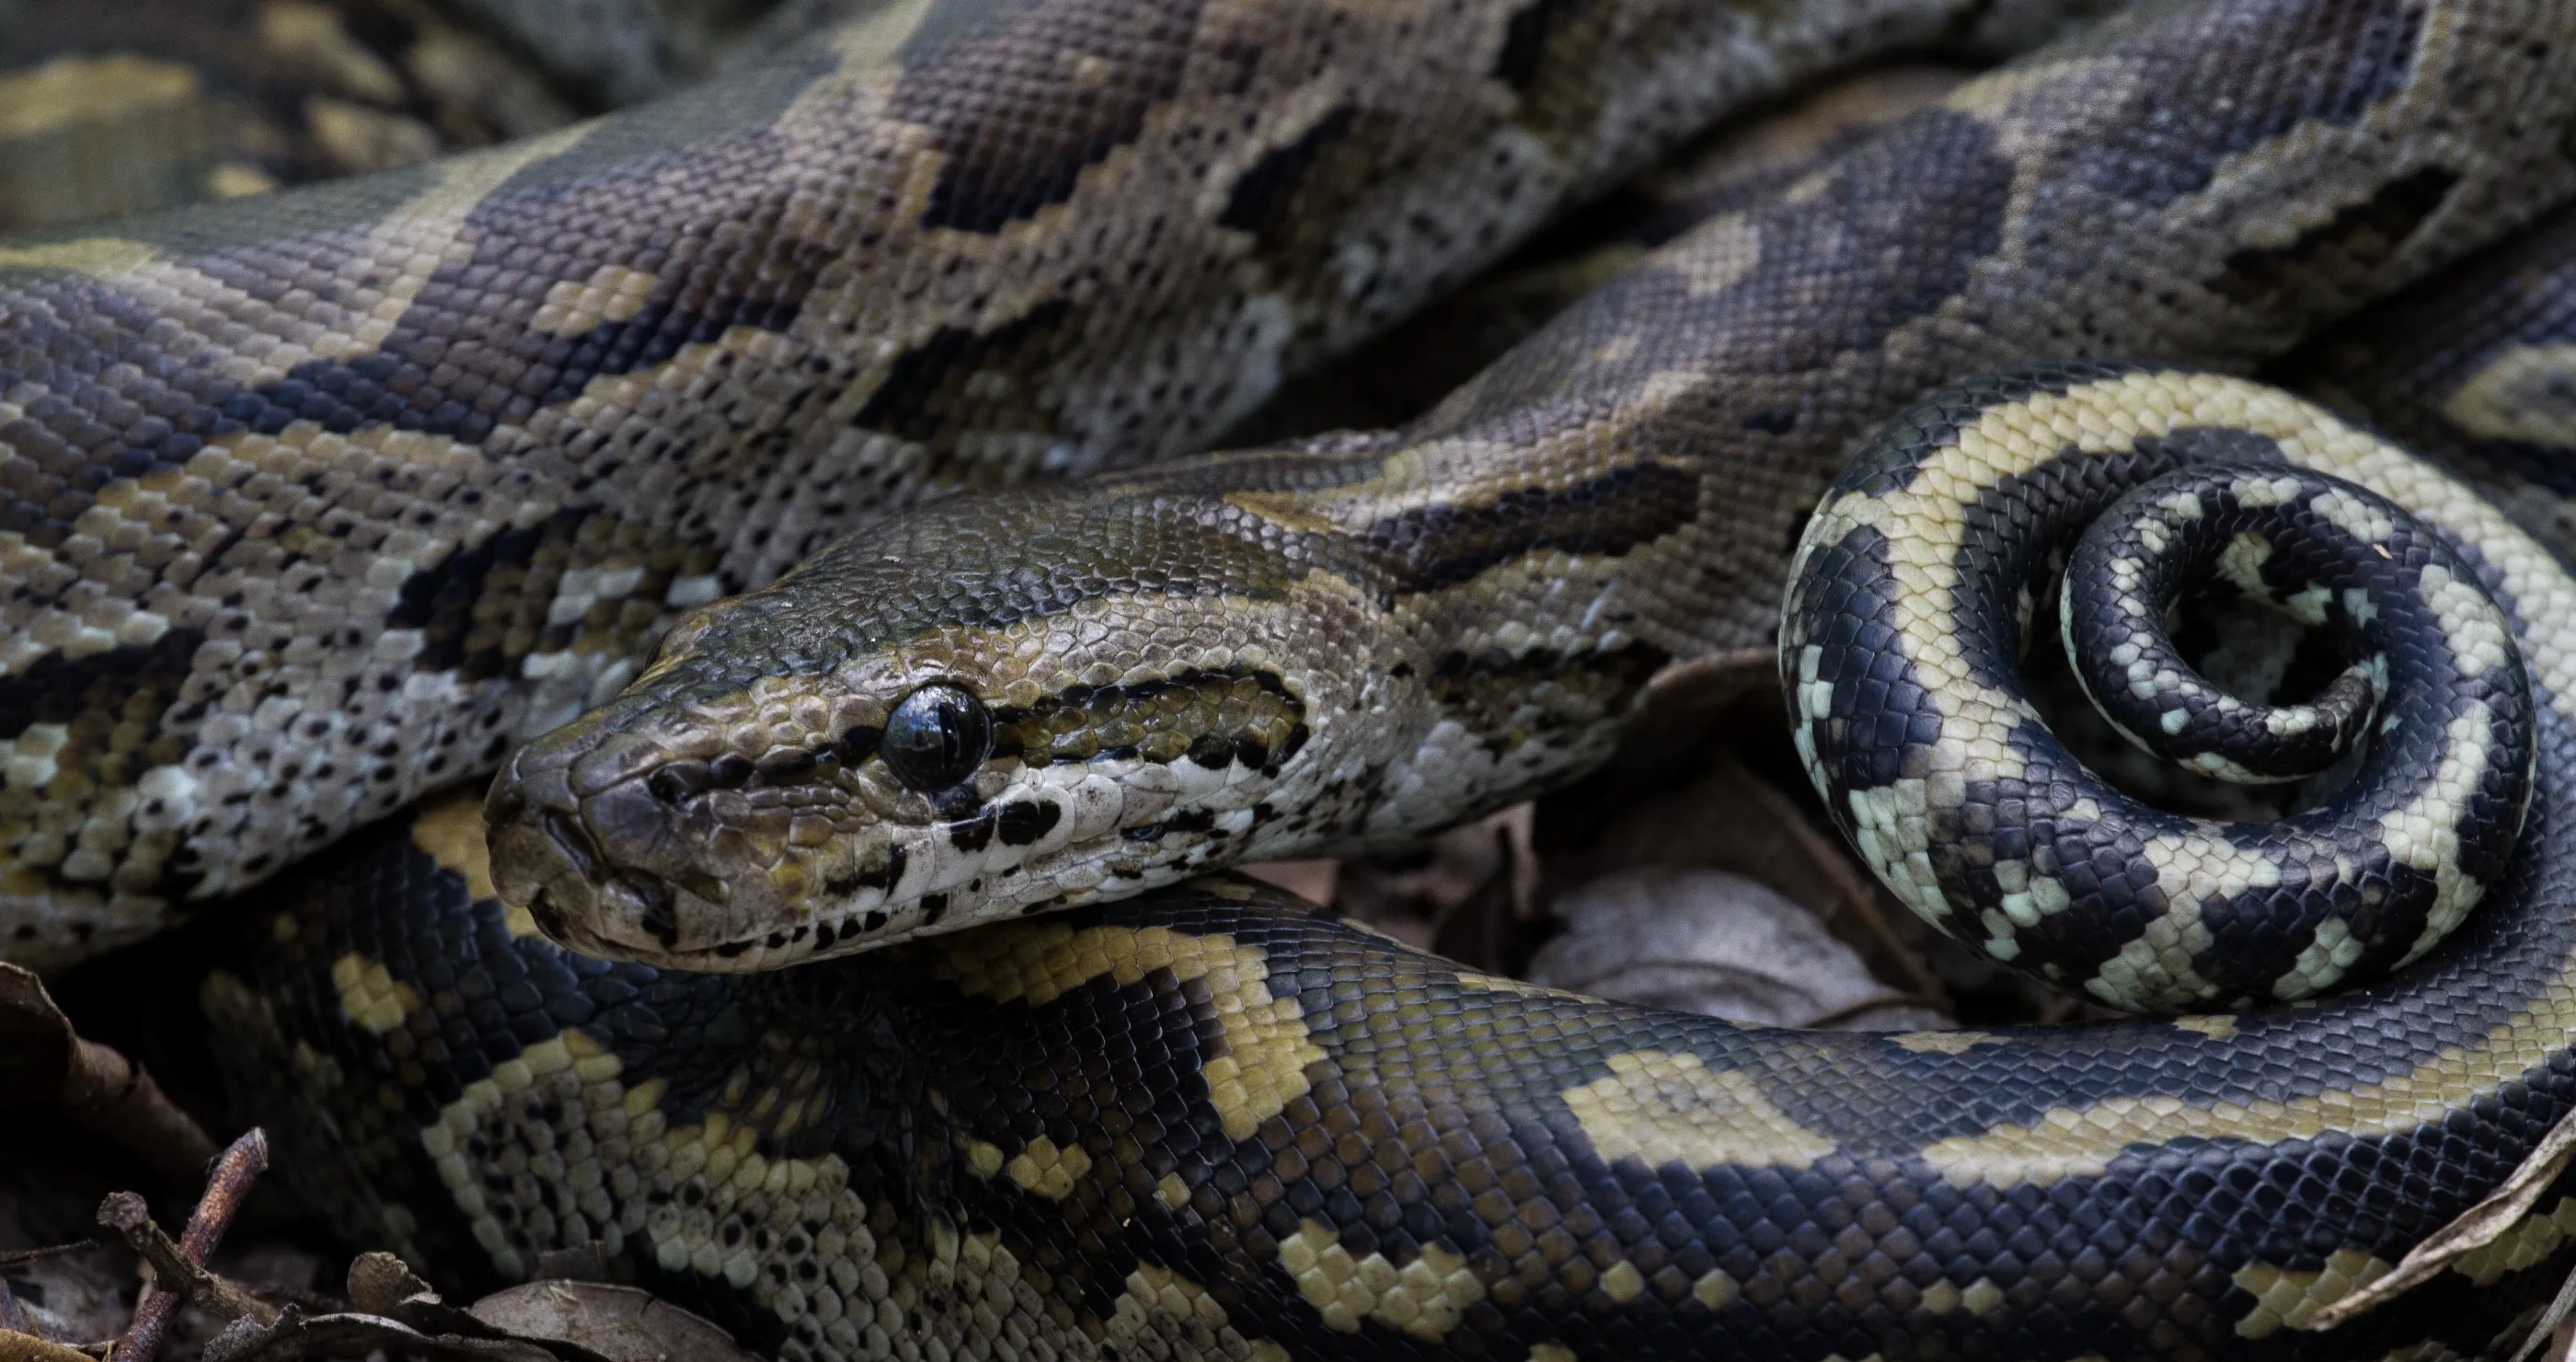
{"type": "Point", "coordinates": [937, 737]}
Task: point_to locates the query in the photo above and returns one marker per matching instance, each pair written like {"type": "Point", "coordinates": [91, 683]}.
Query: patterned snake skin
{"type": "Point", "coordinates": [315, 503]}
{"type": "Point", "coordinates": [1204, 1122]}
{"type": "Point", "coordinates": [1321, 648]}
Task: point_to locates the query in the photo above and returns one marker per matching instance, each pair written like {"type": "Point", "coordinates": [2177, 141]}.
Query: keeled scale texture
{"type": "Point", "coordinates": [1211, 1123]}
{"type": "Point", "coordinates": [311, 504]}
{"type": "Point", "coordinates": [1466, 608]}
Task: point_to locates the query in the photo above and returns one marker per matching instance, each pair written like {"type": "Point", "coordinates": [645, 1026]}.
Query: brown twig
{"type": "Point", "coordinates": [113, 1096]}
{"type": "Point", "coordinates": [15, 1257]}
{"type": "Point", "coordinates": [226, 1189]}
{"type": "Point", "coordinates": [126, 1213]}
{"type": "Point", "coordinates": [44, 1060]}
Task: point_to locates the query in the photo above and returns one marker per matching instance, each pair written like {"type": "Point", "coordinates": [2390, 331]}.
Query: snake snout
{"type": "Point", "coordinates": [580, 841]}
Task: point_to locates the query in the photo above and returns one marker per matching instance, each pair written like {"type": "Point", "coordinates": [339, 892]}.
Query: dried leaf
{"type": "Point", "coordinates": [1417, 897]}
{"type": "Point", "coordinates": [2475, 1228]}
{"type": "Point", "coordinates": [18, 1347]}
{"type": "Point", "coordinates": [382, 1284]}
{"type": "Point", "coordinates": [619, 1323]}
{"type": "Point", "coordinates": [1719, 944]}
{"type": "Point", "coordinates": [1685, 712]}
{"type": "Point", "coordinates": [296, 1336]}
{"type": "Point", "coordinates": [45, 1201]}
{"type": "Point", "coordinates": [1731, 819]}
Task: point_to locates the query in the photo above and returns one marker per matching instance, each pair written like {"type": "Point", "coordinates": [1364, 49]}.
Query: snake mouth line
{"type": "Point", "coordinates": [624, 873]}
{"type": "Point", "coordinates": [791, 820]}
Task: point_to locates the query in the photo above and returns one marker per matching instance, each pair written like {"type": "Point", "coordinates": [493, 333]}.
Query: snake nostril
{"type": "Point", "coordinates": [574, 840]}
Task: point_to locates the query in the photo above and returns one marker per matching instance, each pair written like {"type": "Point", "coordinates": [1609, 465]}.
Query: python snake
{"type": "Point", "coordinates": [320, 502]}
{"type": "Point", "coordinates": [1207, 1123]}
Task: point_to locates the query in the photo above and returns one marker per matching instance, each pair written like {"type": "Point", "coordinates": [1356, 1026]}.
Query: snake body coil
{"type": "Point", "coordinates": [1204, 1122]}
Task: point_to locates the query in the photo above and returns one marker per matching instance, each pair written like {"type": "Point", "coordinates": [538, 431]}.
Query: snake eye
{"type": "Point", "coordinates": [937, 737]}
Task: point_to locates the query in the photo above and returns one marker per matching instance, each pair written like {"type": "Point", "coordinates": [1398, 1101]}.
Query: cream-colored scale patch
{"type": "Point", "coordinates": [1979, 1297]}
{"type": "Point", "coordinates": [2528, 1244]}
{"type": "Point", "coordinates": [2081, 1141]}
{"type": "Point", "coordinates": [1164, 1314]}
{"type": "Point", "coordinates": [2215, 1025]}
{"type": "Point", "coordinates": [1943, 1042]}
{"type": "Point", "coordinates": [2322, 963]}
{"type": "Point", "coordinates": [1497, 983]}
{"type": "Point", "coordinates": [2241, 564]}
{"type": "Point", "coordinates": [1263, 1063]}
{"type": "Point", "coordinates": [451, 832]}
{"type": "Point", "coordinates": [2425, 831]}
{"type": "Point", "coordinates": [369, 994]}
{"type": "Point", "coordinates": [1045, 1170]}
{"type": "Point", "coordinates": [2522, 394]}
{"type": "Point", "coordinates": [1424, 1297]}
{"type": "Point", "coordinates": [1666, 1108]}
{"type": "Point", "coordinates": [2480, 641]}
{"type": "Point", "coordinates": [612, 293]}
{"type": "Point", "coordinates": [2287, 1299]}
{"type": "Point", "coordinates": [2368, 523]}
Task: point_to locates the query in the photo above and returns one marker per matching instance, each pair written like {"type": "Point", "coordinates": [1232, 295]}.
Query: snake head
{"type": "Point", "coordinates": [941, 723]}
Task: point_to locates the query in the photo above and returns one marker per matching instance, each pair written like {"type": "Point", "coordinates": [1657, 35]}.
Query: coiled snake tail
{"type": "Point", "coordinates": [1905, 622]}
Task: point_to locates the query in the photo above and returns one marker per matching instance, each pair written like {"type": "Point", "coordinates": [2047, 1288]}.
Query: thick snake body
{"type": "Point", "coordinates": [1326, 647]}
{"type": "Point", "coordinates": [1204, 1123]}
{"type": "Point", "coordinates": [318, 502]}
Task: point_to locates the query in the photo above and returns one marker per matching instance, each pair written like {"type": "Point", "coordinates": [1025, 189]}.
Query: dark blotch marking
{"type": "Point", "coordinates": [1525, 39]}
{"type": "Point", "coordinates": [1292, 196]}
{"type": "Point", "coordinates": [924, 396]}
{"type": "Point", "coordinates": [1195, 820]}
{"type": "Point", "coordinates": [858, 744]}
{"type": "Point", "coordinates": [103, 686]}
{"type": "Point", "coordinates": [441, 601]}
{"type": "Point", "coordinates": [678, 781]}
{"type": "Point", "coordinates": [1434, 547]}
{"type": "Point", "coordinates": [2328, 63]}
{"type": "Point", "coordinates": [1017, 118]}
{"type": "Point", "coordinates": [1295, 741]}
{"type": "Point", "coordinates": [881, 876]}
{"type": "Point", "coordinates": [1210, 751]}
{"type": "Point", "coordinates": [974, 834]}
{"type": "Point", "coordinates": [2359, 237]}
{"type": "Point", "coordinates": [1025, 821]}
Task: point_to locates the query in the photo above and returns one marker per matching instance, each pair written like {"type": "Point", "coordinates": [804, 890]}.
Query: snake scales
{"type": "Point", "coordinates": [1205, 1123]}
